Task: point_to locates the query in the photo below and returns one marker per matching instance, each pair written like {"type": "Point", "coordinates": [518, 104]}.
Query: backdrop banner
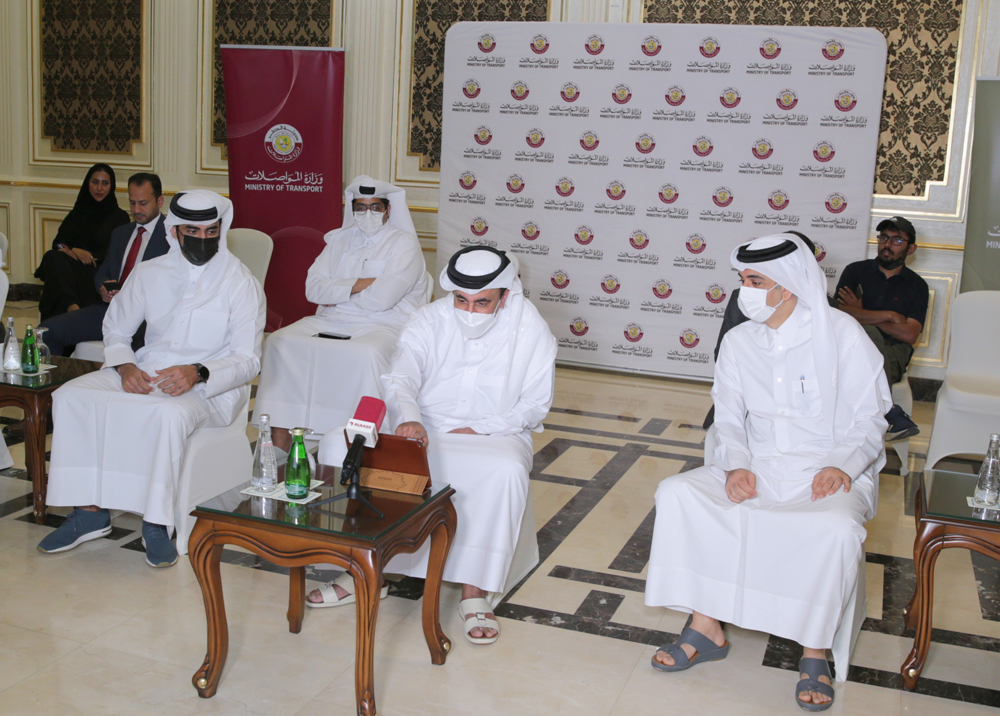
{"type": "Point", "coordinates": [981, 262]}
{"type": "Point", "coordinates": [285, 118]}
{"type": "Point", "coordinates": [622, 164]}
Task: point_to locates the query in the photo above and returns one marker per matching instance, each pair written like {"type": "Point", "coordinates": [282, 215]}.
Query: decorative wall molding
{"type": "Point", "coordinates": [104, 139]}
{"type": "Point", "coordinates": [5, 230]}
{"type": "Point", "coordinates": [931, 350]}
{"type": "Point", "coordinates": [45, 221]}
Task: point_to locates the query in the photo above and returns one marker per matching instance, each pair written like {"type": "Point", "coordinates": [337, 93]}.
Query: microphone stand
{"type": "Point", "coordinates": [350, 475]}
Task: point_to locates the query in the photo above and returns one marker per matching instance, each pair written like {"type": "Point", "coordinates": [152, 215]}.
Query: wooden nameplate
{"type": "Point", "coordinates": [395, 464]}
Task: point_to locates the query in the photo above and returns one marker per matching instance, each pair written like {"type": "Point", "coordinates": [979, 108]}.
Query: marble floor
{"type": "Point", "coordinates": [96, 631]}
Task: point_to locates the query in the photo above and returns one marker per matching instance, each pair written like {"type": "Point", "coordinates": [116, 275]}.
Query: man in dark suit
{"type": "Point", "coordinates": [143, 238]}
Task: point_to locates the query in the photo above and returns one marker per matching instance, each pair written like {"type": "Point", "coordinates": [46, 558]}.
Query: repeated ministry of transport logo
{"type": "Point", "coordinates": [662, 288]}
{"type": "Point", "coordinates": [283, 143]}
{"type": "Point", "coordinates": [770, 49]}
{"type": "Point", "coordinates": [651, 46]}
{"type": "Point", "coordinates": [668, 194]}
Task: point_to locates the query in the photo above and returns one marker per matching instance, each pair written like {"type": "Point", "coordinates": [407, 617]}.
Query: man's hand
{"type": "Point", "coordinates": [464, 431]}
{"type": "Point", "coordinates": [828, 481]}
{"type": "Point", "coordinates": [84, 256]}
{"type": "Point", "coordinates": [413, 430]}
{"type": "Point", "coordinates": [135, 380]}
{"type": "Point", "coordinates": [741, 485]}
{"type": "Point", "coordinates": [177, 379]}
{"type": "Point", "coordinates": [846, 297]}
{"type": "Point", "coordinates": [361, 284]}
{"type": "Point", "coordinates": [107, 295]}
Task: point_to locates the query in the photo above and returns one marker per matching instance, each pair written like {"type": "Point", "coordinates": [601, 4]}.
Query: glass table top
{"type": "Point", "coordinates": [947, 496]}
{"type": "Point", "coordinates": [66, 369]}
{"type": "Point", "coordinates": [345, 517]}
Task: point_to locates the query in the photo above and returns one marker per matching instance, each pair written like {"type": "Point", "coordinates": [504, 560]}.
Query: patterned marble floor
{"type": "Point", "coordinates": [95, 631]}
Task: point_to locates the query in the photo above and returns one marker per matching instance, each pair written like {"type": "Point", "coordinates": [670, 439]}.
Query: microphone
{"type": "Point", "coordinates": [362, 431]}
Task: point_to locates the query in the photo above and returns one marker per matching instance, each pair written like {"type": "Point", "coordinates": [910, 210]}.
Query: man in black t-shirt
{"type": "Point", "coordinates": [890, 301]}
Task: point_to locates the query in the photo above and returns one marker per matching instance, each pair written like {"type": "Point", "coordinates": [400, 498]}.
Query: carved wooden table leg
{"type": "Point", "coordinates": [367, 573]}
{"type": "Point", "coordinates": [205, 557]}
{"type": "Point", "coordinates": [35, 428]}
{"type": "Point", "coordinates": [928, 545]}
{"type": "Point", "coordinates": [296, 598]}
{"type": "Point", "coordinates": [441, 537]}
{"type": "Point", "coordinates": [909, 612]}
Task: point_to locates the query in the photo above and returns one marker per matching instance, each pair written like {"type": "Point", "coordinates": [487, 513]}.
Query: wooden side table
{"type": "Point", "coordinates": [33, 395]}
{"type": "Point", "coordinates": [944, 519]}
{"type": "Point", "coordinates": [291, 536]}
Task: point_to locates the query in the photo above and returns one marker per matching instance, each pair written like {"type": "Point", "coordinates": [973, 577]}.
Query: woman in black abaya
{"type": "Point", "coordinates": [68, 269]}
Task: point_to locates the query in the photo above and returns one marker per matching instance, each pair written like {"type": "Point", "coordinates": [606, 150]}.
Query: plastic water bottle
{"type": "Point", "coordinates": [988, 487]}
{"type": "Point", "coordinates": [11, 349]}
{"type": "Point", "coordinates": [265, 465]}
{"type": "Point", "coordinates": [29, 352]}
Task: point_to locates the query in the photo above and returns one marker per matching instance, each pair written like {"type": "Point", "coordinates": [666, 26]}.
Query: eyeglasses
{"type": "Point", "coordinates": [894, 240]}
{"type": "Point", "coordinates": [373, 208]}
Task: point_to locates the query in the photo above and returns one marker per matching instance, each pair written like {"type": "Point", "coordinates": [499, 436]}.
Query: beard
{"type": "Point", "coordinates": [887, 261]}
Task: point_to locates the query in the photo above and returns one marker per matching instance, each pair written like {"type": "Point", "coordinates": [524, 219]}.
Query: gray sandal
{"type": "Point", "coordinates": [705, 650]}
{"type": "Point", "coordinates": [814, 668]}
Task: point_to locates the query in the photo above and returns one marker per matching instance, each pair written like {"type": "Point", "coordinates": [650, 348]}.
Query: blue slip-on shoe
{"type": "Point", "coordinates": [901, 426]}
{"type": "Point", "coordinates": [160, 550]}
{"type": "Point", "coordinates": [80, 526]}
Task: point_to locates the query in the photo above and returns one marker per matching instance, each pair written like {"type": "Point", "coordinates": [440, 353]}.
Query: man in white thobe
{"type": "Point", "coordinates": [472, 376]}
{"type": "Point", "coordinates": [121, 432]}
{"type": "Point", "coordinates": [367, 281]}
{"type": "Point", "coordinates": [770, 533]}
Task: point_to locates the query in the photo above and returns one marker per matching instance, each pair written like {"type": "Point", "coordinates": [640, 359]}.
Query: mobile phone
{"type": "Point", "coordinates": [334, 336]}
{"type": "Point", "coordinates": [112, 285]}
{"type": "Point", "coordinates": [858, 291]}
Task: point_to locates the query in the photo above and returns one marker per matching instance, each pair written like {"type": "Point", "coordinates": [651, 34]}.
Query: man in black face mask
{"type": "Point", "coordinates": [890, 301]}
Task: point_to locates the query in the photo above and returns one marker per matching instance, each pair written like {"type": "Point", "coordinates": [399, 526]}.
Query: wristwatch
{"type": "Point", "coordinates": [203, 373]}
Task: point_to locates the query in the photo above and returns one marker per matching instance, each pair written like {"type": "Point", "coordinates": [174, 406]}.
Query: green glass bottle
{"type": "Point", "coordinates": [29, 351]}
{"type": "Point", "coordinates": [296, 514]}
{"type": "Point", "coordinates": [298, 475]}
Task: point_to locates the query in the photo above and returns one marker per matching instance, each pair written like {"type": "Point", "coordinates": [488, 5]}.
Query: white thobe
{"type": "Point", "coordinates": [445, 381]}
{"type": "Point", "coordinates": [123, 450]}
{"type": "Point", "coordinates": [317, 382]}
{"type": "Point", "coordinates": [779, 563]}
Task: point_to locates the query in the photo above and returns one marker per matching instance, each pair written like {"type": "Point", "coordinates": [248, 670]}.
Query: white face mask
{"type": "Point", "coordinates": [369, 222]}
{"type": "Point", "coordinates": [753, 302]}
{"type": "Point", "coordinates": [475, 325]}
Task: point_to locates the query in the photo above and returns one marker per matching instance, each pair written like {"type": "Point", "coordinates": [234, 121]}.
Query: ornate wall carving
{"type": "Point", "coordinates": [431, 20]}
{"type": "Point", "coordinates": [299, 23]}
{"type": "Point", "coordinates": [91, 73]}
{"type": "Point", "coordinates": [923, 50]}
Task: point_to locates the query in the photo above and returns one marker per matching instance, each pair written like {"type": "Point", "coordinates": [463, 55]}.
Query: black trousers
{"type": "Point", "coordinates": [67, 281]}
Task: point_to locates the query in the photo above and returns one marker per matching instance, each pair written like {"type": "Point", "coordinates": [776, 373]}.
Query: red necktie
{"type": "Point", "coordinates": [133, 254]}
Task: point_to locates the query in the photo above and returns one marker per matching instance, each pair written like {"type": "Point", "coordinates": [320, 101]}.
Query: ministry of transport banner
{"type": "Point", "coordinates": [622, 163]}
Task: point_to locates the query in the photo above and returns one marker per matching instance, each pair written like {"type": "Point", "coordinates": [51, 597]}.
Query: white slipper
{"type": "Point", "coordinates": [478, 608]}
{"type": "Point", "coordinates": [346, 582]}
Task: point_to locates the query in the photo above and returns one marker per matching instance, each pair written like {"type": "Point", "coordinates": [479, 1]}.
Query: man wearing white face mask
{"type": "Point", "coordinates": [768, 535]}
{"type": "Point", "coordinates": [367, 281]}
{"type": "Point", "coordinates": [472, 377]}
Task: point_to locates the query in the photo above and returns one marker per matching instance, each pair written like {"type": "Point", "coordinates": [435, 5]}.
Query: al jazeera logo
{"type": "Point", "coordinates": [535, 138]}
{"type": "Point", "coordinates": [715, 293]}
{"type": "Point", "coordinates": [633, 333]}
{"type": "Point", "coordinates": [689, 338]}
{"type": "Point", "coordinates": [530, 231]}
{"type": "Point", "coordinates": [479, 226]}
{"type": "Point", "coordinates": [579, 327]}
{"type": "Point", "coordinates": [662, 288]}
{"type": "Point", "coordinates": [283, 142]}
